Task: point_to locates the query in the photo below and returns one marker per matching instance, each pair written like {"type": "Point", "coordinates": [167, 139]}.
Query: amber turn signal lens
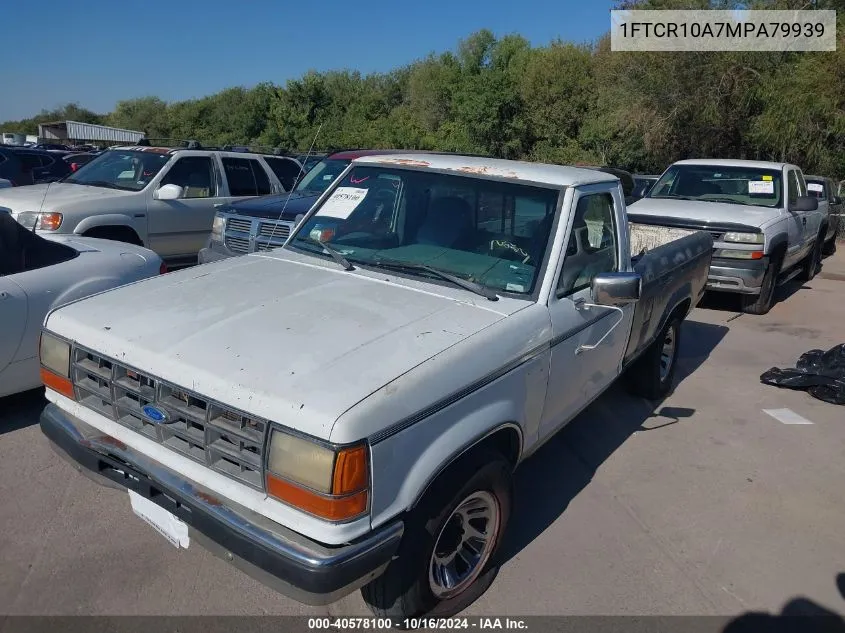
{"type": "Point", "coordinates": [350, 470]}
{"type": "Point", "coordinates": [57, 383]}
{"type": "Point", "coordinates": [326, 507]}
{"type": "Point", "coordinates": [50, 221]}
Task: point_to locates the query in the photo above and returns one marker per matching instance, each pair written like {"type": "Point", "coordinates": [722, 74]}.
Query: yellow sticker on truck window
{"type": "Point", "coordinates": [767, 177]}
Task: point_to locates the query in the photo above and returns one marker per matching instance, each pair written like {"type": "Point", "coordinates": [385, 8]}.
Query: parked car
{"type": "Point", "coordinates": [38, 275]}
{"type": "Point", "coordinates": [767, 229]}
{"type": "Point", "coordinates": [262, 224]}
{"type": "Point", "coordinates": [24, 166]}
{"type": "Point", "coordinates": [830, 204]}
{"type": "Point", "coordinates": [158, 197]}
{"type": "Point", "coordinates": [53, 146]}
{"type": "Point", "coordinates": [642, 183]}
{"type": "Point", "coordinates": [346, 411]}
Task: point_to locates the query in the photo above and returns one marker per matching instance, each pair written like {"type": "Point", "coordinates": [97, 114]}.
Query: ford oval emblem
{"type": "Point", "coordinates": [155, 414]}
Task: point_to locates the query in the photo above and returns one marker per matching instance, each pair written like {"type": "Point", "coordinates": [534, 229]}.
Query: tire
{"type": "Point", "coordinates": [761, 304]}
{"type": "Point", "coordinates": [652, 375]}
{"type": "Point", "coordinates": [829, 247]}
{"type": "Point", "coordinates": [407, 587]}
{"type": "Point", "coordinates": [116, 234]}
{"type": "Point", "coordinates": [811, 264]}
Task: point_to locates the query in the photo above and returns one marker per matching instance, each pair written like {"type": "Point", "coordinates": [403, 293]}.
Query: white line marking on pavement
{"type": "Point", "coordinates": [786, 416]}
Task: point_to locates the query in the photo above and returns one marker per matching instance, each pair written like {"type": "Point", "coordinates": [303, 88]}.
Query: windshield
{"type": "Point", "coordinates": [492, 233]}
{"type": "Point", "coordinates": [130, 170]}
{"type": "Point", "coordinates": [716, 183]}
{"type": "Point", "coordinates": [322, 175]}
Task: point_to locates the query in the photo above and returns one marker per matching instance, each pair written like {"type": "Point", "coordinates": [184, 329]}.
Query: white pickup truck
{"type": "Point", "coordinates": [346, 411]}
{"type": "Point", "coordinates": [767, 229]}
{"type": "Point", "coordinates": [159, 197]}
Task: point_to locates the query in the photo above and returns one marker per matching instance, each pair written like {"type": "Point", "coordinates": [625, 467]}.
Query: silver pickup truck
{"type": "Point", "coordinates": [346, 411]}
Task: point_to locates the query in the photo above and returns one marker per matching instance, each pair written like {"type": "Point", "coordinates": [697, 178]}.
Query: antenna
{"type": "Point", "coordinates": [41, 208]}
{"type": "Point", "coordinates": [298, 176]}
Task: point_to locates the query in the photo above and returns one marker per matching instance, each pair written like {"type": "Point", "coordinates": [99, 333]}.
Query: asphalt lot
{"type": "Point", "coordinates": [705, 506]}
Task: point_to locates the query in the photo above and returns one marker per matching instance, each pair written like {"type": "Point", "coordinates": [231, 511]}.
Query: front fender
{"type": "Point", "coordinates": [113, 219]}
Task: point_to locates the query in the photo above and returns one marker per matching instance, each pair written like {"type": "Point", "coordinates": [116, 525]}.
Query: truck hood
{"type": "Point", "coordinates": [58, 195]}
{"type": "Point", "coordinates": [293, 204]}
{"type": "Point", "coordinates": [701, 212]}
{"type": "Point", "coordinates": [278, 337]}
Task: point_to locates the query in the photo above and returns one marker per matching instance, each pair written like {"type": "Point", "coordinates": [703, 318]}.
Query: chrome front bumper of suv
{"type": "Point", "coordinates": [737, 275]}
{"type": "Point", "coordinates": [290, 563]}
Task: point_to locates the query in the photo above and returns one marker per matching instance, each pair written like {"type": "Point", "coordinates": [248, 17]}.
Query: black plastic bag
{"type": "Point", "coordinates": [821, 373]}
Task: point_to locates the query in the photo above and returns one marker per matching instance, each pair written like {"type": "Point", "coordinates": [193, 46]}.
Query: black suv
{"type": "Point", "coordinates": [25, 166]}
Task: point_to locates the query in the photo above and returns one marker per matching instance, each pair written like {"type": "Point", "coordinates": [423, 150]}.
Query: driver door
{"type": "Point", "coordinates": [181, 227]}
{"type": "Point", "coordinates": [577, 376]}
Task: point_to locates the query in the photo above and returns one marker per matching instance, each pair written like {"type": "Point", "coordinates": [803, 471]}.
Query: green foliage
{"type": "Point", "coordinates": [561, 103]}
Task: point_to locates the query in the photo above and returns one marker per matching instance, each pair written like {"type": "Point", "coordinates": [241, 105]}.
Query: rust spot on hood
{"type": "Point", "coordinates": [406, 161]}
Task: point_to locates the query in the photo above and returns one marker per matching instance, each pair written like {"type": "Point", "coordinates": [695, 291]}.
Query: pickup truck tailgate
{"type": "Point", "coordinates": [672, 273]}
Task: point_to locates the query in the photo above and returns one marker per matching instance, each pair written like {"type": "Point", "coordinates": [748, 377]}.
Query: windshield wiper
{"type": "Point", "coordinates": [463, 283]}
{"type": "Point", "coordinates": [336, 255]}
{"type": "Point", "coordinates": [98, 183]}
{"type": "Point", "coordinates": [725, 200]}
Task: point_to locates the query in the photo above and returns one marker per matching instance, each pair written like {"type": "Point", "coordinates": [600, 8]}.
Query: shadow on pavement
{"type": "Point", "coordinates": [800, 615]}
{"type": "Point", "coordinates": [21, 410]}
{"type": "Point", "coordinates": [551, 478]}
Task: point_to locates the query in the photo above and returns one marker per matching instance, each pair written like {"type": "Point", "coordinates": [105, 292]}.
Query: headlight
{"type": "Point", "coordinates": [218, 227]}
{"type": "Point", "coordinates": [745, 238]}
{"type": "Point", "coordinates": [43, 221]}
{"type": "Point", "coordinates": [54, 354]}
{"type": "Point", "coordinates": [327, 482]}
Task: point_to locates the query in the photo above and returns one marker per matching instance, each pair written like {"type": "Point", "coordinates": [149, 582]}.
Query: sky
{"type": "Point", "coordinates": [98, 52]}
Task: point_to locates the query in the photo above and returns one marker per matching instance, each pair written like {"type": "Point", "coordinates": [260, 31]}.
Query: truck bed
{"type": "Point", "coordinates": [674, 273]}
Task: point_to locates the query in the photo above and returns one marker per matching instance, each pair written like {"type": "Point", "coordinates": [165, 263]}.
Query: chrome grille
{"type": "Point", "coordinates": [237, 244]}
{"type": "Point", "coordinates": [238, 224]}
{"type": "Point", "coordinates": [222, 438]}
{"type": "Point", "coordinates": [276, 231]}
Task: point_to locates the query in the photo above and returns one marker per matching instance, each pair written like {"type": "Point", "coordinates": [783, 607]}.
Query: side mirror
{"type": "Point", "coordinates": [614, 289]}
{"type": "Point", "coordinates": [805, 203]}
{"type": "Point", "coordinates": [835, 200]}
{"type": "Point", "coordinates": [168, 192]}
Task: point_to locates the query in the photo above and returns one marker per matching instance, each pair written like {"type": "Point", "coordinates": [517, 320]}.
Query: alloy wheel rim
{"type": "Point", "coordinates": [464, 545]}
{"type": "Point", "coordinates": [667, 353]}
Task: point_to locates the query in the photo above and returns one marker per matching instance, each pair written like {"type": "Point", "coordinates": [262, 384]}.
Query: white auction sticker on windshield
{"type": "Point", "coordinates": [813, 186]}
{"type": "Point", "coordinates": [761, 186]}
{"type": "Point", "coordinates": [342, 202]}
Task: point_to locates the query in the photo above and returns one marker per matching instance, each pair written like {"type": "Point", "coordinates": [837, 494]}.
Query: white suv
{"type": "Point", "coordinates": [159, 197]}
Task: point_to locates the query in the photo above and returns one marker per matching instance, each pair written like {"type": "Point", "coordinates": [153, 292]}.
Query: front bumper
{"type": "Point", "coordinates": [288, 562]}
{"type": "Point", "coordinates": [737, 275]}
{"type": "Point", "coordinates": [214, 252]}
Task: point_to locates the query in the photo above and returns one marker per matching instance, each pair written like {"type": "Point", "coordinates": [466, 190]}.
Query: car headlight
{"type": "Point", "coordinates": [40, 221]}
{"type": "Point", "coordinates": [218, 227]}
{"type": "Point", "coordinates": [744, 238]}
{"type": "Point", "coordinates": [328, 482]}
{"type": "Point", "coordinates": [54, 354]}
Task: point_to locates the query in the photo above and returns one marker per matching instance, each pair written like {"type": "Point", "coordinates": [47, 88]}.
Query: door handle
{"type": "Point", "coordinates": [804, 221]}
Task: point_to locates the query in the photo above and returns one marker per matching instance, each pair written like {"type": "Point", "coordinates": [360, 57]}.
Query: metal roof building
{"type": "Point", "coordinates": [75, 131]}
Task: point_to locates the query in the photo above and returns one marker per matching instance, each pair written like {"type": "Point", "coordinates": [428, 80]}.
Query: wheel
{"type": "Point", "coordinates": [653, 374]}
{"type": "Point", "coordinates": [762, 303]}
{"type": "Point", "coordinates": [447, 557]}
{"type": "Point", "coordinates": [829, 247]}
{"type": "Point", "coordinates": [811, 264]}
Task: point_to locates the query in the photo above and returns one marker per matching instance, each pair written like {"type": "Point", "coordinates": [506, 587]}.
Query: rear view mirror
{"type": "Point", "coordinates": [168, 192]}
{"type": "Point", "coordinates": [614, 289]}
{"type": "Point", "coordinates": [805, 203]}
